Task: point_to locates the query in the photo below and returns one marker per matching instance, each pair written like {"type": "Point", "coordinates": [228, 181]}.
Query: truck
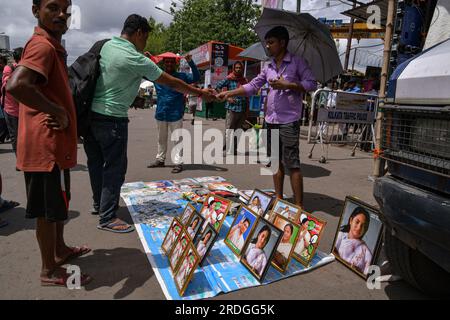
{"type": "Point", "coordinates": [414, 195]}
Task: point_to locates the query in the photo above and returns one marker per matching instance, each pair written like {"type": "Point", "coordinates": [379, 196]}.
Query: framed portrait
{"type": "Point", "coordinates": [171, 236]}
{"type": "Point", "coordinates": [283, 253]}
{"type": "Point", "coordinates": [187, 213]}
{"type": "Point", "coordinates": [285, 209]}
{"type": "Point", "coordinates": [260, 248]}
{"type": "Point", "coordinates": [185, 272]}
{"type": "Point", "coordinates": [178, 250]}
{"type": "Point", "coordinates": [358, 236]}
{"type": "Point", "coordinates": [214, 210]}
{"type": "Point", "coordinates": [260, 202]}
{"type": "Point", "coordinates": [194, 225]}
{"type": "Point", "coordinates": [240, 230]}
{"type": "Point", "coordinates": [311, 230]}
{"type": "Point", "coordinates": [205, 241]}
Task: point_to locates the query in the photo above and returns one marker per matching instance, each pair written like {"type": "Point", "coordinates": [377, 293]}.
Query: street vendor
{"type": "Point", "coordinates": [289, 77]}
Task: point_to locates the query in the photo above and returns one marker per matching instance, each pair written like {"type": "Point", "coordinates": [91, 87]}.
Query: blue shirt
{"type": "Point", "coordinates": [170, 103]}
{"type": "Point", "coordinates": [240, 104]}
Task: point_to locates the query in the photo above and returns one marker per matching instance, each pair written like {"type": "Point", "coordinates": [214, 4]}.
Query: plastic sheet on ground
{"type": "Point", "coordinates": [153, 209]}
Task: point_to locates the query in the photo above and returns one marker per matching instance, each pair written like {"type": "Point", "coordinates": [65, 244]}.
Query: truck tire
{"type": "Point", "coordinates": [415, 268]}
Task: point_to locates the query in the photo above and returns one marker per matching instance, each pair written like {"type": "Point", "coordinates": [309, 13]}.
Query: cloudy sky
{"type": "Point", "coordinates": [102, 19]}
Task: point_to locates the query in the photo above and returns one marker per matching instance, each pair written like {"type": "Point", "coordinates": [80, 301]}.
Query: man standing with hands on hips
{"type": "Point", "coordinates": [289, 77]}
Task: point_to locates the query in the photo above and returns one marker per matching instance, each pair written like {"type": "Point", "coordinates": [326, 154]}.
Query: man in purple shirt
{"type": "Point", "coordinates": [289, 77]}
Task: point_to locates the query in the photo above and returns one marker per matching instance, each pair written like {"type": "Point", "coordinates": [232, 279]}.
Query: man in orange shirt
{"type": "Point", "coordinates": [47, 138]}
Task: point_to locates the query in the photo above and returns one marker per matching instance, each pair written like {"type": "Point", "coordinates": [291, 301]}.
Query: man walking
{"type": "Point", "coordinates": [289, 77]}
{"type": "Point", "coordinates": [10, 105]}
{"type": "Point", "coordinates": [122, 67]}
{"type": "Point", "coordinates": [47, 137]}
{"type": "Point", "coordinates": [170, 111]}
{"type": "Point", "coordinates": [236, 107]}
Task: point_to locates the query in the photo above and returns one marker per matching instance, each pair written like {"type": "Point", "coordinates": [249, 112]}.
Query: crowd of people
{"type": "Point", "coordinates": [40, 110]}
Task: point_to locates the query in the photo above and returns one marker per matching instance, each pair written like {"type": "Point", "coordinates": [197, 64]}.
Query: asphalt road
{"type": "Point", "coordinates": [118, 262]}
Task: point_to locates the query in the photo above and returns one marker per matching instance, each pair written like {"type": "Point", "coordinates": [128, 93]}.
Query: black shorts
{"type": "Point", "coordinates": [48, 194]}
{"type": "Point", "coordinates": [289, 144]}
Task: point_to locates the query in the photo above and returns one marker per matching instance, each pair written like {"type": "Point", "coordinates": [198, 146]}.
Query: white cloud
{"type": "Point", "coordinates": [102, 19]}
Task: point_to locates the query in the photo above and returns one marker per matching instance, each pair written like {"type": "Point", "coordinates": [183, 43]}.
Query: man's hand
{"type": "Point", "coordinates": [223, 96]}
{"type": "Point", "coordinates": [188, 58]}
{"type": "Point", "coordinates": [280, 84]}
{"type": "Point", "coordinates": [209, 95]}
{"type": "Point", "coordinates": [59, 122]}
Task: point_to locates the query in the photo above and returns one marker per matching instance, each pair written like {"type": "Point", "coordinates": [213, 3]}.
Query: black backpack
{"type": "Point", "coordinates": [83, 75]}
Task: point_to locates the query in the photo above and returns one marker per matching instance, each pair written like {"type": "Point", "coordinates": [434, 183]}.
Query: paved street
{"type": "Point", "coordinates": [118, 262]}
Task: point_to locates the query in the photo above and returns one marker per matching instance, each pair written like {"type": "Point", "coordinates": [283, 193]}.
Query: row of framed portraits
{"type": "Point", "coordinates": [191, 236]}
{"type": "Point", "coordinates": [261, 242]}
{"type": "Point", "coordinates": [357, 240]}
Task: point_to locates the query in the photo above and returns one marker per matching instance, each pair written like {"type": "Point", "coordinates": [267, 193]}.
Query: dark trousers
{"type": "Point", "coordinates": [234, 121]}
{"type": "Point", "coordinates": [12, 124]}
{"type": "Point", "coordinates": [106, 150]}
{"type": "Point", "coordinates": [4, 133]}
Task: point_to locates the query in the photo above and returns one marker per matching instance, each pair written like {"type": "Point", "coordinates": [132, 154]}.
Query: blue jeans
{"type": "Point", "coordinates": [106, 150]}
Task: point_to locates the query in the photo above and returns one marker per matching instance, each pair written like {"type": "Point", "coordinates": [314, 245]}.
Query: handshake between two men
{"type": "Point", "coordinates": [275, 84]}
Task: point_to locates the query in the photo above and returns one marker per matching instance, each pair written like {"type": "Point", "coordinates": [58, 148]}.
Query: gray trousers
{"type": "Point", "coordinates": [233, 121]}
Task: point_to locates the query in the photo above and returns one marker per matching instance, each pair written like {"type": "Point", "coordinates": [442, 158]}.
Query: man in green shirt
{"type": "Point", "coordinates": [122, 67]}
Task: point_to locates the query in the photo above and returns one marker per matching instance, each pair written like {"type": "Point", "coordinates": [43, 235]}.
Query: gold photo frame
{"type": "Point", "coordinates": [292, 214]}
{"type": "Point", "coordinates": [365, 246]}
{"type": "Point", "coordinates": [283, 253]}
{"type": "Point", "coordinates": [187, 214]}
{"type": "Point", "coordinates": [311, 232]}
{"type": "Point", "coordinates": [171, 235]}
{"type": "Point", "coordinates": [211, 216]}
{"type": "Point", "coordinates": [188, 264]}
{"type": "Point", "coordinates": [178, 250]}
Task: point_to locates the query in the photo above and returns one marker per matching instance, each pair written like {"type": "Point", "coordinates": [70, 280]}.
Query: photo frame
{"type": "Point", "coordinates": [264, 202]}
{"type": "Point", "coordinates": [203, 245]}
{"type": "Point", "coordinates": [172, 234]}
{"type": "Point", "coordinates": [194, 225]}
{"type": "Point", "coordinates": [280, 206]}
{"type": "Point", "coordinates": [178, 250]}
{"type": "Point", "coordinates": [241, 230]}
{"type": "Point", "coordinates": [187, 214]}
{"type": "Point", "coordinates": [259, 251]}
{"type": "Point", "coordinates": [357, 248]}
{"type": "Point", "coordinates": [283, 253]}
{"type": "Point", "coordinates": [184, 274]}
{"type": "Point", "coordinates": [311, 231]}
{"type": "Point", "coordinates": [214, 210]}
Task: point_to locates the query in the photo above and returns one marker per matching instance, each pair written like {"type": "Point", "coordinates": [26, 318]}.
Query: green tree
{"type": "Point", "coordinates": [199, 21]}
{"type": "Point", "coordinates": [157, 40]}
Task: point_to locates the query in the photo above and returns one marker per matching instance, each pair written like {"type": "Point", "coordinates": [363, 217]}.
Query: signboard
{"type": "Point", "coordinates": [345, 116]}
{"type": "Point", "coordinates": [200, 55]}
{"type": "Point", "coordinates": [351, 102]}
{"type": "Point", "coordinates": [219, 55]}
{"type": "Point", "coordinates": [218, 74]}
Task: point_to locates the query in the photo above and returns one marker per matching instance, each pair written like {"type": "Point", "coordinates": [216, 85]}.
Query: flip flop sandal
{"type": "Point", "coordinates": [76, 253]}
{"type": "Point", "coordinates": [61, 281]}
{"type": "Point", "coordinates": [110, 227]}
{"type": "Point", "coordinates": [8, 205]}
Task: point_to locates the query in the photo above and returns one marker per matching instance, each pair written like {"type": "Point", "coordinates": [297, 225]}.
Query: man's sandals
{"type": "Point", "coordinates": [59, 278]}
{"type": "Point", "coordinates": [112, 227]}
{"type": "Point", "coordinates": [76, 252]}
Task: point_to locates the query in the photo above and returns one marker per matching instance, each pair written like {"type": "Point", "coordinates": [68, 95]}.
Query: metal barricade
{"type": "Point", "coordinates": [342, 118]}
